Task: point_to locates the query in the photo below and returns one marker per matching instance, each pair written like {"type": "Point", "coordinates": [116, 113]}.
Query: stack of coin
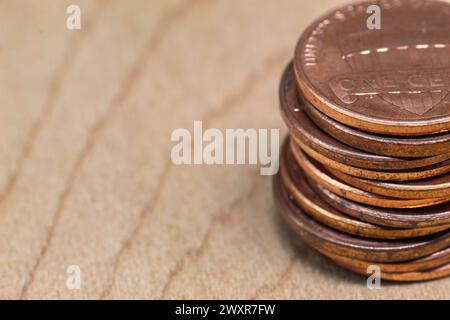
{"type": "Point", "coordinates": [365, 172]}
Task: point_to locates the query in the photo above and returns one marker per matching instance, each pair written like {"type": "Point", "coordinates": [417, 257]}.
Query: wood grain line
{"type": "Point", "coordinates": [196, 253]}
{"type": "Point", "coordinates": [133, 76]}
{"type": "Point", "coordinates": [227, 106]}
{"type": "Point", "coordinates": [232, 102]}
{"type": "Point", "coordinates": [129, 240]}
{"type": "Point", "coordinates": [271, 287]}
{"type": "Point", "coordinates": [168, 19]}
{"type": "Point", "coordinates": [70, 54]}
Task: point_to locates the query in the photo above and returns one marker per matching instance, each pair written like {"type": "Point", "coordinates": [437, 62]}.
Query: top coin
{"type": "Point", "coordinates": [394, 80]}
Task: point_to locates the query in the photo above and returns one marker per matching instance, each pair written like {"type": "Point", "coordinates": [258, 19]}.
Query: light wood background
{"type": "Point", "coordinates": [85, 171]}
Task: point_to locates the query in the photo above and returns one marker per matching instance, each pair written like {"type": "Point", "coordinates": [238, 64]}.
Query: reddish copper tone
{"type": "Point", "coordinates": [365, 172]}
{"type": "Point", "coordinates": [304, 130]}
{"type": "Point", "coordinates": [322, 237]}
{"type": "Point", "coordinates": [390, 81]}
{"type": "Point", "coordinates": [295, 182]}
{"type": "Point", "coordinates": [416, 147]}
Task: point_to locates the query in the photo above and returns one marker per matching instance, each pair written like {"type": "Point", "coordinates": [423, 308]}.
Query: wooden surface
{"type": "Point", "coordinates": [85, 171]}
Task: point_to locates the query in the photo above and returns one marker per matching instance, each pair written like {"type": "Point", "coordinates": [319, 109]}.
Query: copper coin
{"type": "Point", "coordinates": [422, 275]}
{"type": "Point", "coordinates": [295, 184]}
{"type": "Point", "coordinates": [426, 188]}
{"type": "Point", "coordinates": [322, 237]}
{"type": "Point", "coordinates": [438, 215]}
{"type": "Point", "coordinates": [402, 175]}
{"type": "Point", "coordinates": [317, 172]}
{"type": "Point", "coordinates": [415, 269]}
{"type": "Point", "coordinates": [391, 81]}
{"type": "Point", "coordinates": [379, 144]}
{"type": "Point", "coordinates": [432, 261]}
{"type": "Point", "coordinates": [303, 129]}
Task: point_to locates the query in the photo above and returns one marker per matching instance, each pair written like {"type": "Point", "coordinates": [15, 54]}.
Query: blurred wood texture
{"type": "Point", "coordinates": [85, 171]}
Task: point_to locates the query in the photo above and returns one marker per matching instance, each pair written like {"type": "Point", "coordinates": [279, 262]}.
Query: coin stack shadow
{"type": "Point", "coordinates": [359, 194]}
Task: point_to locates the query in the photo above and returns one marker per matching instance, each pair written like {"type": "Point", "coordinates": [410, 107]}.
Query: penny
{"type": "Point", "coordinates": [432, 261]}
{"type": "Point", "coordinates": [303, 129]}
{"type": "Point", "coordinates": [321, 211]}
{"type": "Point", "coordinates": [322, 237]}
{"type": "Point", "coordinates": [390, 81]}
{"type": "Point", "coordinates": [379, 144]}
{"type": "Point", "coordinates": [317, 172]}
{"type": "Point", "coordinates": [427, 188]}
{"type": "Point", "coordinates": [415, 174]}
{"type": "Point", "coordinates": [422, 275]}
{"type": "Point", "coordinates": [394, 218]}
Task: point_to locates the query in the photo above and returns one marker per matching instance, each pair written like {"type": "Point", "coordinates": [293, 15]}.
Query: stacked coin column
{"type": "Point", "coordinates": [365, 172]}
